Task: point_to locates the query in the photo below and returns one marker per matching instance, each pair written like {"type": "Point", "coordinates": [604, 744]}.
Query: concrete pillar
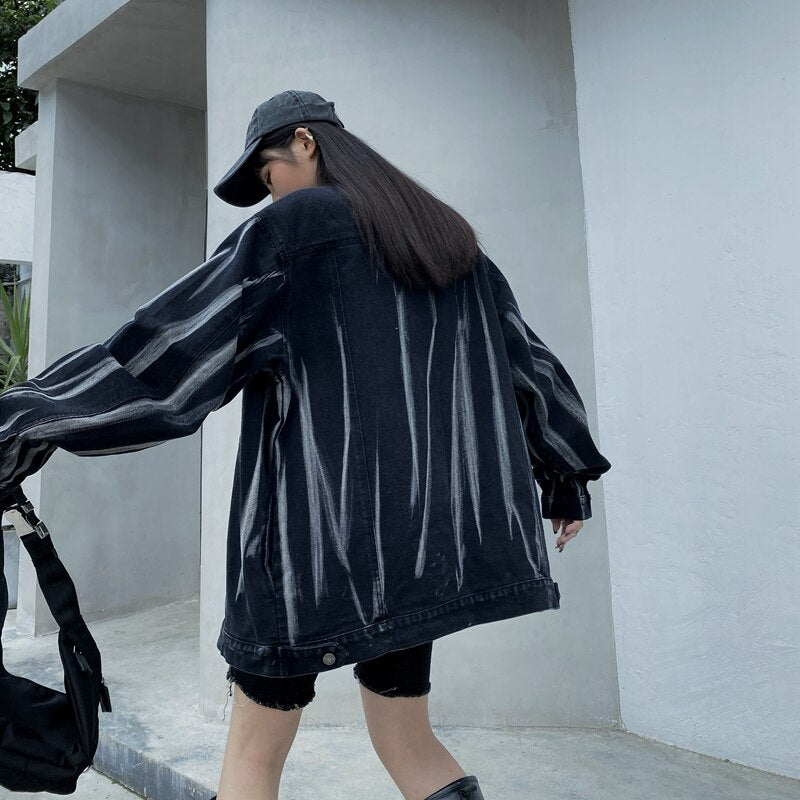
{"type": "Point", "coordinates": [119, 215]}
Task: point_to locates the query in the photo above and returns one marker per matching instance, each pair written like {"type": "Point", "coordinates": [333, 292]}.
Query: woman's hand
{"type": "Point", "coordinates": [570, 530]}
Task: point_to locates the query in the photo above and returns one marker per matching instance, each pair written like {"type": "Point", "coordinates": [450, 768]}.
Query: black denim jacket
{"type": "Point", "coordinates": [384, 488]}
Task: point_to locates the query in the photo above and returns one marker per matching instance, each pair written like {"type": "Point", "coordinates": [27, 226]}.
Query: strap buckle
{"type": "Point", "coordinates": [24, 519]}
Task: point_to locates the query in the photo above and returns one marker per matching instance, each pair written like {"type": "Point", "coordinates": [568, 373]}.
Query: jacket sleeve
{"type": "Point", "coordinates": [184, 353]}
{"type": "Point", "coordinates": [562, 452]}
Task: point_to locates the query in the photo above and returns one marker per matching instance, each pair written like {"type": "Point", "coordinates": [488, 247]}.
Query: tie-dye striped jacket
{"type": "Point", "coordinates": [384, 489]}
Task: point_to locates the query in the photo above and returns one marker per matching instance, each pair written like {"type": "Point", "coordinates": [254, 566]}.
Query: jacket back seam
{"type": "Point", "coordinates": [330, 245]}
{"type": "Point", "coordinates": [360, 425]}
{"type": "Point", "coordinates": [280, 248]}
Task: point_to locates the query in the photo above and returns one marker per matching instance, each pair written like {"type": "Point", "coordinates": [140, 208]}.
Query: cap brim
{"type": "Point", "coordinates": [240, 186]}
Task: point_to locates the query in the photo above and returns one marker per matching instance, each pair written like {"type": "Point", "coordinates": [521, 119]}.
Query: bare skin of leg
{"type": "Point", "coordinates": [259, 739]}
{"type": "Point", "coordinates": [401, 733]}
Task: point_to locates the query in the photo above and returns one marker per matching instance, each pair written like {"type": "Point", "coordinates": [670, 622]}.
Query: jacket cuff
{"type": "Point", "coordinates": [565, 500]}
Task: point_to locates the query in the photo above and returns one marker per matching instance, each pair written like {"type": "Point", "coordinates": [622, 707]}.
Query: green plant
{"type": "Point", "coordinates": [14, 361]}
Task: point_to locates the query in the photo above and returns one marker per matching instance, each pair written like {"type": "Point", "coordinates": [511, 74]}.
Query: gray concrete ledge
{"type": "Point", "coordinates": [25, 144]}
{"type": "Point", "coordinates": [149, 49]}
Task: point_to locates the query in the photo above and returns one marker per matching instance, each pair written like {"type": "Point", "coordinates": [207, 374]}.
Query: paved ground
{"type": "Point", "coordinates": [158, 742]}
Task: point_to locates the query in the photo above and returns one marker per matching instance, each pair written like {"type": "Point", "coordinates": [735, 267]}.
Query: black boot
{"type": "Point", "coordinates": [464, 788]}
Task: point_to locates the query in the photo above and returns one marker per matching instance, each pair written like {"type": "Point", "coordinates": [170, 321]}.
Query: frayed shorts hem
{"type": "Point", "coordinates": [392, 692]}
{"type": "Point", "coordinates": [401, 673]}
{"type": "Point", "coordinates": [280, 706]}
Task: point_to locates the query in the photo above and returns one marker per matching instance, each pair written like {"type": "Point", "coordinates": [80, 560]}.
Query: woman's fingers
{"type": "Point", "coordinates": [568, 530]}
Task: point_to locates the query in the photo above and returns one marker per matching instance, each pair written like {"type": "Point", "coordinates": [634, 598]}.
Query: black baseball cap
{"type": "Point", "coordinates": [240, 186]}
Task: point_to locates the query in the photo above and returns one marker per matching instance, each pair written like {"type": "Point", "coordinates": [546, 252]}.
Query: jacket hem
{"type": "Point", "coordinates": [395, 633]}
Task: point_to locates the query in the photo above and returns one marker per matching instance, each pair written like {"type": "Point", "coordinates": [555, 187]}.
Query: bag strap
{"type": "Point", "coordinates": [55, 582]}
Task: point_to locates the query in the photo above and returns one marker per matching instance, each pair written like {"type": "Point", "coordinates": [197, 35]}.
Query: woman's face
{"type": "Point", "coordinates": [281, 176]}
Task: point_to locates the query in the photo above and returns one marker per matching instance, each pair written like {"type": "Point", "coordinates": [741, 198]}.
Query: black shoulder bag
{"type": "Point", "coordinates": [47, 737]}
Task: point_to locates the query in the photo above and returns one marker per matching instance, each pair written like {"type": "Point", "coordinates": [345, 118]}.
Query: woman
{"type": "Point", "coordinates": [396, 409]}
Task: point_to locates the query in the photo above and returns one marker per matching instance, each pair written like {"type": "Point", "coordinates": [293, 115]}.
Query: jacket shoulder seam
{"type": "Point", "coordinates": [272, 234]}
{"type": "Point", "coordinates": [277, 243]}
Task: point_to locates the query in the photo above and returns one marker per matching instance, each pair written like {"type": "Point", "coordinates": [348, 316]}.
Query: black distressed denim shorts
{"type": "Point", "coordinates": [399, 673]}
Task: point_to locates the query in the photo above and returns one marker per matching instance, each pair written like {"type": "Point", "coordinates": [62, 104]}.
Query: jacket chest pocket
{"type": "Point", "coordinates": [268, 544]}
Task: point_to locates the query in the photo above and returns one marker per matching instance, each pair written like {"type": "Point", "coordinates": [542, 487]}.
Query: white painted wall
{"type": "Point", "coordinates": [16, 216]}
{"type": "Point", "coordinates": [476, 101]}
{"type": "Point", "coordinates": [688, 116]}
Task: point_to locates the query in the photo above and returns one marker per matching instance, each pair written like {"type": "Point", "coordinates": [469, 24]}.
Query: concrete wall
{"type": "Point", "coordinates": [119, 215]}
{"type": "Point", "coordinates": [483, 113]}
{"type": "Point", "coordinates": [688, 115]}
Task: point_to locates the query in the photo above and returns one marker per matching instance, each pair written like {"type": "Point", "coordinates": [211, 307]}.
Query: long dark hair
{"type": "Point", "coordinates": [411, 233]}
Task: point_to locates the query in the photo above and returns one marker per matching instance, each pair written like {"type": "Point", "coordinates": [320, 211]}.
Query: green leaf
{"type": "Point", "coordinates": [17, 312]}
{"type": "Point", "coordinates": [19, 106]}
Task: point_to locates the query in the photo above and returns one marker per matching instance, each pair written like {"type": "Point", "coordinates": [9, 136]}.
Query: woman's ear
{"type": "Point", "coordinates": [306, 137]}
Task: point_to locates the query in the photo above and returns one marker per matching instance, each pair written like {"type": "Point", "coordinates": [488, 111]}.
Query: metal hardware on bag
{"type": "Point", "coordinates": [105, 699]}
{"type": "Point", "coordinates": [25, 521]}
{"type": "Point", "coordinates": [84, 664]}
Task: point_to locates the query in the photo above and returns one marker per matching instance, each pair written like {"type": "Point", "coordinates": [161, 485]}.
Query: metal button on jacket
{"type": "Point", "coordinates": [391, 439]}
